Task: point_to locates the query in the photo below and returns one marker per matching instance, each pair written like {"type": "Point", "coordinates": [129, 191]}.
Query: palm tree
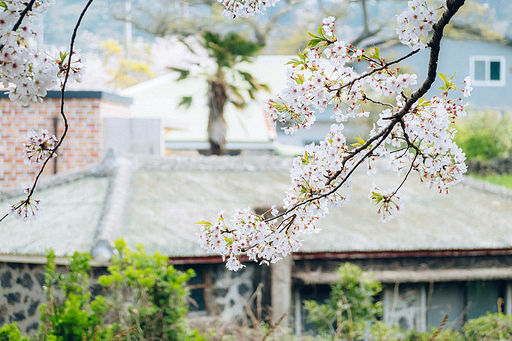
{"type": "Point", "coordinates": [226, 83]}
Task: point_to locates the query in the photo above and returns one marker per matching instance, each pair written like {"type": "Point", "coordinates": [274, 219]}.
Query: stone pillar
{"type": "Point", "coordinates": [281, 290]}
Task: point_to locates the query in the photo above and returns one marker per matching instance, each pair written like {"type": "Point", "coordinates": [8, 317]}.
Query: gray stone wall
{"type": "Point", "coordinates": [21, 293]}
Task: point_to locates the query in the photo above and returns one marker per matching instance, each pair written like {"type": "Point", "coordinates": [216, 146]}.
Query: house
{"type": "Point", "coordinates": [444, 254]}
{"type": "Point", "coordinates": [488, 64]}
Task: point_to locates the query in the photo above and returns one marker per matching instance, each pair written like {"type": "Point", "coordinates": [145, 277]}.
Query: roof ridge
{"type": "Point", "coordinates": [111, 222]}
{"type": "Point", "coordinates": [226, 162]}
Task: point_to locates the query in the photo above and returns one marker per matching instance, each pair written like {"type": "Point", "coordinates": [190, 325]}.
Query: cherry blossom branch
{"type": "Point", "coordinates": [406, 176]}
{"type": "Point", "coordinates": [375, 70]}
{"type": "Point", "coordinates": [318, 176]}
{"type": "Point", "coordinates": [23, 14]}
{"type": "Point", "coordinates": [434, 44]}
{"type": "Point", "coordinates": [62, 97]}
{"type": "Point", "coordinates": [62, 102]}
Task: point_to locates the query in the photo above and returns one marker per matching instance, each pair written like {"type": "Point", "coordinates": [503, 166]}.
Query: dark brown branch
{"type": "Point", "coordinates": [383, 67]}
{"type": "Point", "coordinates": [434, 44]}
{"type": "Point", "coordinates": [23, 14]}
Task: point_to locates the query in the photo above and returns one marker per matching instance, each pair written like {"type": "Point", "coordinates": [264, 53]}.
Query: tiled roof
{"type": "Point", "coordinates": [157, 202]}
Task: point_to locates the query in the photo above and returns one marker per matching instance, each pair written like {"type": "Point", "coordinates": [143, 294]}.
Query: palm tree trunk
{"type": "Point", "coordinates": [217, 98]}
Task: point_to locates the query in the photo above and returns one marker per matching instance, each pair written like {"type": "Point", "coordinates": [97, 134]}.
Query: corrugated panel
{"type": "Point", "coordinates": [166, 205]}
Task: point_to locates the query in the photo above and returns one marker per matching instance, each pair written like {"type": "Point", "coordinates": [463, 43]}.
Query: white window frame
{"type": "Point", "coordinates": [487, 60]}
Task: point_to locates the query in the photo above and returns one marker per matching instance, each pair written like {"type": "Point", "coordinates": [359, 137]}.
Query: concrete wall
{"type": "Point", "coordinates": [134, 135]}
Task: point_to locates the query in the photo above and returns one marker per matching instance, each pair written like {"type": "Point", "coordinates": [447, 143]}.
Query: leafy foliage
{"type": "Point", "coordinates": [146, 301]}
{"type": "Point", "coordinates": [75, 316]}
{"type": "Point", "coordinates": [485, 135]}
{"type": "Point", "coordinates": [490, 327]}
{"type": "Point", "coordinates": [350, 307]}
{"type": "Point", "coordinates": [127, 71]}
{"type": "Point", "coordinates": [10, 332]}
{"type": "Point", "coordinates": [148, 296]}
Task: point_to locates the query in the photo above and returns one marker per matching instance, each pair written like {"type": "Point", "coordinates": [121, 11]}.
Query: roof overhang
{"type": "Point", "coordinates": [419, 276]}
{"type": "Point", "coordinates": [400, 253]}
{"type": "Point", "coordinates": [203, 145]}
{"type": "Point", "coordinates": [40, 259]}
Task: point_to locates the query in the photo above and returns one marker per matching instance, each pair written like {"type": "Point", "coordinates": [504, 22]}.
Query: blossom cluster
{"type": "Point", "coordinates": [415, 22]}
{"type": "Point", "coordinates": [245, 8]}
{"type": "Point", "coordinates": [27, 209]}
{"type": "Point", "coordinates": [39, 147]}
{"type": "Point", "coordinates": [27, 71]}
{"type": "Point", "coordinates": [36, 150]}
{"type": "Point", "coordinates": [411, 135]}
{"type": "Point", "coordinates": [389, 203]}
{"type": "Point", "coordinates": [268, 239]}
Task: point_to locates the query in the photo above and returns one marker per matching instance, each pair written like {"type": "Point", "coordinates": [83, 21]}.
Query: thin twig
{"type": "Point", "coordinates": [62, 100]}
{"type": "Point", "coordinates": [273, 326]}
{"type": "Point", "coordinates": [438, 331]}
{"type": "Point", "coordinates": [377, 102]}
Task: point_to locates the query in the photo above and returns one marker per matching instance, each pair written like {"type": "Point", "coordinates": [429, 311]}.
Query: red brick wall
{"type": "Point", "coordinates": [81, 148]}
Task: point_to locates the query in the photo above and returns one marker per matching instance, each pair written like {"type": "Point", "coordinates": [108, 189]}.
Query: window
{"type": "Point", "coordinates": [487, 71]}
{"type": "Point", "coordinates": [198, 286]}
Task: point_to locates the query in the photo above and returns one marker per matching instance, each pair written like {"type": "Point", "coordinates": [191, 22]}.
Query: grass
{"type": "Point", "coordinates": [501, 180]}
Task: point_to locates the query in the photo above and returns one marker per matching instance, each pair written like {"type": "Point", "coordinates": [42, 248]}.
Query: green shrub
{"type": "Point", "coordinates": [148, 295]}
{"type": "Point", "coordinates": [74, 317]}
{"type": "Point", "coordinates": [490, 327]}
{"type": "Point", "coordinates": [146, 301]}
{"type": "Point", "coordinates": [434, 334]}
{"type": "Point", "coordinates": [10, 332]}
{"type": "Point", "coordinates": [485, 135]}
{"type": "Point", "coordinates": [350, 306]}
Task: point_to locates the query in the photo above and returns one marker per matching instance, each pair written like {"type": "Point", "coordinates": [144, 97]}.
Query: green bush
{"type": "Point", "coordinates": [146, 300]}
{"type": "Point", "coordinates": [75, 317]}
{"type": "Point", "coordinates": [10, 332]}
{"type": "Point", "coordinates": [148, 296]}
{"type": "Point", "coordinates": [434, 334]}
{"type": "Point", "coordinates": [490, 327]}
{"type": "Point", "coordinates": [485, 135]}
{"type": "Point", "coordinates": [350, 307]}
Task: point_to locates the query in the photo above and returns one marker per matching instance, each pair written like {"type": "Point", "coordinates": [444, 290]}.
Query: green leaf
{"type": "Point", "coordinates": [305, 159]}
{"type": "Point", "coordinates": [377, 197]}
{"type": "Point", "coordinates": [320, 31]}
{"type": "Point", "coordinates": [294, 62]}
{"type": "Point", "coordinates": [377, 53]}
{"type": "Point", "coordinates": [300, 79]}
{"type": "Point", "coordinates": [204, 223]}
{"type": "Point", "coordinates": [423, 102]}
{"type": "Point", "coordinates": [360, 140]}
{"type": "Point", "coordinates": [183, 73]}
{"type": "Point", "coordinates": [443, 77]}
{"type": "Point", "coordinates": [185, 101]}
